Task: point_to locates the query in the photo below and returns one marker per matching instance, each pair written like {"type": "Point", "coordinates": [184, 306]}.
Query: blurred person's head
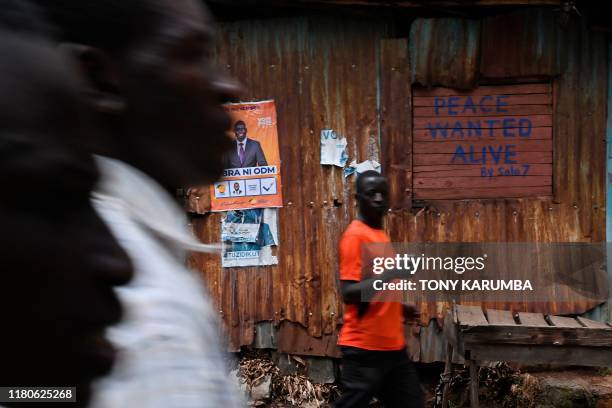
{"type": "Point", "coordinates": [59, 261]}
{"type": "Point", "coordinates": [152, 83]}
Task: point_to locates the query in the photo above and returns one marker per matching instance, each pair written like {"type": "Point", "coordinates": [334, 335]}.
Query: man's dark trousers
{"type": "Point", "coordinates": [389, 376]}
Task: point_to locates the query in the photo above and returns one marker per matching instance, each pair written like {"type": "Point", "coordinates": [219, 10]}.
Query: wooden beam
{"type": "Point", "coordinates": [554, 336]}
{"type": "Point", "coordinates": [473, 384]}
{"type": "Point", "coordinates": [561, 355]}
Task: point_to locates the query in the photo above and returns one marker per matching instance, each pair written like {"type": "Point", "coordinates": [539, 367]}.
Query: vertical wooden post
{"type": "Point", "coordinates": [448, 368]}
{"type": "Point", "coordinates": [473, 383]}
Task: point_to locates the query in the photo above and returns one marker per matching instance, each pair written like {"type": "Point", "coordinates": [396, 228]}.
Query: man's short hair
{"type": "Point", "coordinates": [240, 122]}
{"type": "Point", "coordinates": [362, 176]}
{"type": "Point", "coordinates": [111, 25]}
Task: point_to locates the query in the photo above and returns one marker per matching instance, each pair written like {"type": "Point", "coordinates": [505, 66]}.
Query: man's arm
{"type": "Point", "coordinates": [354, 292]}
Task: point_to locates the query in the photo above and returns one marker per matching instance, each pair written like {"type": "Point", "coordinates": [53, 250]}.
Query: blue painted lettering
{"type": "Point", "coordinates": [457, 130]}
{"type": "Point", "coordinates": [491, 124]}
{"type": "Point", "coordinates": [508, 125]}
{"type": "Point", "coordinates": [495, 153]}
{"type": "Point", "coordinates": [524, 127]}
{"type": "Point", "coordinates": [459, 153]}
{"type": "Point", "coordinates": [469, 104]}
{"type": "Point", "coordinates": [510, 152]}
{"type": "Point", "coordinates": [438, 127]}
{"type": "Point", "coordinates": [452, 103]}
{"type": "Point", "coordinates": [499, 103]}
{"type": "Point", "coordinates": [439, 103]}
{"type": "Point", "coordinates": [482, 103]}
{"type": "Point", "coordinates": [476, 127]}
{"type": "Point", "coordinates": [474, 159]}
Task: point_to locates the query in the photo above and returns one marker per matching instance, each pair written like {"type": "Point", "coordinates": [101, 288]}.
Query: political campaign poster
{"type": "Point", "coordinates": [251, 178]}
{"type": "Point", "coordinates": [249, 236]}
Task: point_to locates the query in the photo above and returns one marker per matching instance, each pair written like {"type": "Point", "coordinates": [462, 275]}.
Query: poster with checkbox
{"type": "Point", "coordinates": [268, 185]}
{"type": "Point", "coordinates": [252, 177]}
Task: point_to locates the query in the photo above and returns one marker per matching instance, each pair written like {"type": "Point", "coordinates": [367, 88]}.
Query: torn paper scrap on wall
{"type": "Point", "coordinates": [250, 235]}
{"type": "Point", "coordinates": [362, 167]}
{"type": "Point", "coordinates": [333, 148]}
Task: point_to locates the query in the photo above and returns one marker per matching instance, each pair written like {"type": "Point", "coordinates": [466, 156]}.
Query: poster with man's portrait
{"type": "Point", "coordinates": [251, 178]}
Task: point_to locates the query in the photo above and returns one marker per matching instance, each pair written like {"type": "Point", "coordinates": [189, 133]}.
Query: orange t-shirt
{"type": "Point", "coordinates": [382, 326]}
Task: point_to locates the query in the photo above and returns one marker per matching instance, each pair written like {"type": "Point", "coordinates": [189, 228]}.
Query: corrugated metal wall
{"type": "Point", "coordinates": [337, 73]}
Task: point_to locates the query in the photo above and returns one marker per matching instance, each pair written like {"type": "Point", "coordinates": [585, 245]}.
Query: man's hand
{"type": "Point", "coordinates": [395, 274]}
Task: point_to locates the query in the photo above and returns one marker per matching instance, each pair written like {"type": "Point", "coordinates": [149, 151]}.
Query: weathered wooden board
{"type": "Point", "coordinates": [467, 170]}
{"type": "Point", "coordinates": [485, 90]}
{"type": "Point", "coordinates": [470, 316]}
{"type": "Point", "coordinates": [428, 159]}
{"type": "Point", "coordinates": [586, 356]}
{"type": "Point", "coordinates": [480, 127]}
{"type": "Point", "coordinates": [514, 110]}
{"type": "Point", "coordinates": [560, 321]}
{"type": "Point", "coordinates": [503, 317]}
{"type": "Point", "coordinates": [493, 151]}
{"type": "Point", "coordinates": [592, 323]}
{"type": "Point", "coordinates": [464, 103]}
{"type": "Point", "coordinates": [475, 182]}
{"type": "Point", "coordinates": [425, 135]}
{"type": "Point", "coordinates": [532, 319]}
{"type": "Point", "coordinates": [487, 192]}
{"type": "Point", "coordinates": [531, 335]}
{"type": "Point", "coordinates": [483, 123]}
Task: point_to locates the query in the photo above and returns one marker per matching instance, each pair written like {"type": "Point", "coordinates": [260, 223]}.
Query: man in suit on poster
{"type": "Point", "coordinates": [247, 152]}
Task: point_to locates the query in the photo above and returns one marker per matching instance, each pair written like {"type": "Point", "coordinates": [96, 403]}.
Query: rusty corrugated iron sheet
{"type": "Point", "coordinates": [521, 44]}
{"type": "Point", "coordinates": [322, 73]}
{"type": "Point", "coordinates": [327, 73]}
{"type": "Point", "coordinates": [445, 51]}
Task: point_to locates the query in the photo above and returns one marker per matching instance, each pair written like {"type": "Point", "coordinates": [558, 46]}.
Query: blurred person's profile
{"type": "Point", "coordinates": [60, 263]}
{"type": "Point", "coordinates": [156, 97]}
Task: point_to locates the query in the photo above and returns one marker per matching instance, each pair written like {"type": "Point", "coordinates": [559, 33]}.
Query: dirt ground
{"type": "Point", "coordinates": [500, 386]}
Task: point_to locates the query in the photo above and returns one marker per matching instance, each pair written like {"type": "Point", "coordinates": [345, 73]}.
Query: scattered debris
{"type": "Point", "coordinates": [265, 386]}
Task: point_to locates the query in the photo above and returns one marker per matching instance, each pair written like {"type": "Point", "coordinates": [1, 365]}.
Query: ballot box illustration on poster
{"type": "Point", "coordinates": [249, 236]}
{"type": "Point", "coordinates": [251, 178]}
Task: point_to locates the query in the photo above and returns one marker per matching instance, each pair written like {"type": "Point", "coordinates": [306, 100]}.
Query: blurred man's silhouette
{"type": "Point", "coordinates": [59, 260]}
{"type": "Point", "coordinates": [156, 99]}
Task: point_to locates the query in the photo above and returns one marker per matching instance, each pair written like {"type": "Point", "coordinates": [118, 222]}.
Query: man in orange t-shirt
{"type": "Point", "coordinates": [374, 357]}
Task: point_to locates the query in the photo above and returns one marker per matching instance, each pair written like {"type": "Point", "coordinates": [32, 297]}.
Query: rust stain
{"type": "Point", "coordinates": [444, 51]}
